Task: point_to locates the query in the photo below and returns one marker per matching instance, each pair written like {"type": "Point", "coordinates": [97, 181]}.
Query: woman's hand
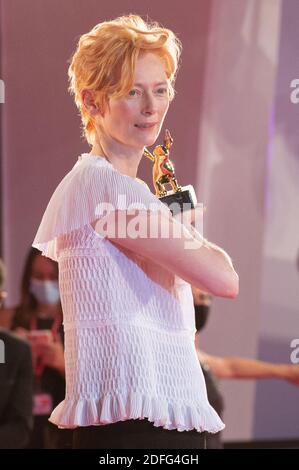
{"type": "Point", "coordinates": [52, 355]}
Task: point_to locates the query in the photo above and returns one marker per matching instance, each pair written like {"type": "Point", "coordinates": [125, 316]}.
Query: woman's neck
{"type": "Point", "coordinates": [125, 160]}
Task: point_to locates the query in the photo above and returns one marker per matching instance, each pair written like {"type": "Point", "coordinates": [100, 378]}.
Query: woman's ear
{"type": "Point", "coordinates": [89, 103]}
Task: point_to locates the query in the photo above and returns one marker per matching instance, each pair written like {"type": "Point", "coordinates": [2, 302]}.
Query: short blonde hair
{"type": "Point", "coordinates": [105, 59]}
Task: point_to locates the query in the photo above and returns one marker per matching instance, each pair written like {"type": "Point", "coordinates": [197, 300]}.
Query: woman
{"type": "Point", "coordinates": [38, 318]}
{"type": "Point", "coordinates": [131, 365]}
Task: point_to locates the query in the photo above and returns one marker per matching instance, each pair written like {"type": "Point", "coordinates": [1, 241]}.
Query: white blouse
{"type": "Point", "coordinates": [129, 324]}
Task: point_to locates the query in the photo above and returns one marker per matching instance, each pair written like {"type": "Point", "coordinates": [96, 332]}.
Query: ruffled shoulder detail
{"type": "Point", "coordinates": [91, 189]}
{"type": "Point", "coordinates": [113, 408]}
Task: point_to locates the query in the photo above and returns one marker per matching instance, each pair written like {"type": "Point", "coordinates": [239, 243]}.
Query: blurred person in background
{"type": "Point", "coordinates": [15, 385]}
{"type": "Point", "coordinates": [38, 318]}
{"type": "Point", "coordinates": [215, 367]}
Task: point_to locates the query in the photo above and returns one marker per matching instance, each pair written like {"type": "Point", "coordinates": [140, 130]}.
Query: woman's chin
{"type": "Point", "coordinates": [146, 140]}
{"type": "Point", "coordinates": [149, 140]}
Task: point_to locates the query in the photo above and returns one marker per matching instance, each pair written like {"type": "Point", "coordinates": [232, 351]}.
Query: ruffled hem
{"type": "Point", "coordinates": [112, 408]}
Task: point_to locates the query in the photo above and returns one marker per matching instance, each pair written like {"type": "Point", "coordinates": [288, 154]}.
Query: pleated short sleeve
{"type": "Point", "coordinates": [90, 190]}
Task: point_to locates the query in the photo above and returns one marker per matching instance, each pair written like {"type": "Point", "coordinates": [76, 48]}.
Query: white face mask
{"type": "Point", "coordinates": [45, 292]}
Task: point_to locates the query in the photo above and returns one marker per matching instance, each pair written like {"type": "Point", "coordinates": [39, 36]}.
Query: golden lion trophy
{"type": "Point", "coordinates": [178, 198]}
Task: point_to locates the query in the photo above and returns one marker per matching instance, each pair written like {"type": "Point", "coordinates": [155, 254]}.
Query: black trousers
{"type": "Point", "coordinates": [135, 434]}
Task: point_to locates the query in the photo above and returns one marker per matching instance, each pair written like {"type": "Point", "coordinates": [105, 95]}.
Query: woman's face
{"type": "Point", "coordinates": [44, 283]}
{"type": "Point", "coordinates": [145, 105]}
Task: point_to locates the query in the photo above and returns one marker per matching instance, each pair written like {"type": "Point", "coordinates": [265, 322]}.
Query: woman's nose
{"type": "Point", "coordinates": [148, 104]}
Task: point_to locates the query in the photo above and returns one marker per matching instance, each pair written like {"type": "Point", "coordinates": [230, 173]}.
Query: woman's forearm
{"type": "Point", "coordinates": [242, 368]}
{"type": "Point", "coordinates": [250, 368]}
{"type": "Point", "coordinates": [219, 258]}
{"type": "Point", "coordinates": [199, 262]}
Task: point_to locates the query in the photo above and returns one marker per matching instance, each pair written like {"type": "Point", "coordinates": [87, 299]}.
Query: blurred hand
{"type": "Point", "coordinates": [22, 333]}
{"type": "Point", "coordinates": [293, 374]}
{"type": "Point", "coordinates": [200, 297]}
{"type": "Point", "coordinates": [52, 355]}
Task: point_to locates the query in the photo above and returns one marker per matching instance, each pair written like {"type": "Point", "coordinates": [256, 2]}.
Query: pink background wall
{"type": "Point", "coordinates": [220, 121]}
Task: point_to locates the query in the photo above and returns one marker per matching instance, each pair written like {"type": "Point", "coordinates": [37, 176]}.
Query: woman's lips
{"type": "Point", "coordinates": [145, 127]}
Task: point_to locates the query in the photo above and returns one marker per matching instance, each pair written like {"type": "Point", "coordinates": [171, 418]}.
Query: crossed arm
{"type": "Point", "coordinates": [206, 265]}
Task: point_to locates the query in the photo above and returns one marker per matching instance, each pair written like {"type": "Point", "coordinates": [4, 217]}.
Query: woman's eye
{"type": "Point", "coordinates": [162, 91]}
{"type": "Point", "coordinates": [133, 92]}
{"type": "Point", "coordinates": [159, 91]}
